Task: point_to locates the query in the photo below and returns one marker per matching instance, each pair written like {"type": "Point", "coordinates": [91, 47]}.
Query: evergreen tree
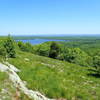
{"type": "Point", "coordinates": [54, 50]}
{"type": "Point", "coordinates": [9, 46]}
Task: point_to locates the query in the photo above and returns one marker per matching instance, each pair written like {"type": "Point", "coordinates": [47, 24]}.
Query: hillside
{"type": "Point", "coordinates": [53, 78]}
{"type": "Point", "coordinates": [57, 79]}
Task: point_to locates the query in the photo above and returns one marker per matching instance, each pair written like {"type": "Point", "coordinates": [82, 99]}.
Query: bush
{"type": "Point", "coordinates": [2, 51]}
{"type": "Point", "coordinates": [42, 49]}
{"type": "Point", "coordinates": [42, 52]}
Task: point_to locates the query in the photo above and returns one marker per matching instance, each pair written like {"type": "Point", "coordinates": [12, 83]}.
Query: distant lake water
{"type": "Point", "coordinates": [39, 41]}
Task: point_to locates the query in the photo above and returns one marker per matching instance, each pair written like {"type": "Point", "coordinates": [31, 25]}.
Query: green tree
{"type": "Point", "coordinates": [27, 47]}
{"type": "Point", "coordinates": [54, 50]}
{"type": "Point", "coordinates": [9, 46]}
{"type": "Point", "coordinates": [77, 56]}
{"type": "Point", "coordinates": [22, 45]}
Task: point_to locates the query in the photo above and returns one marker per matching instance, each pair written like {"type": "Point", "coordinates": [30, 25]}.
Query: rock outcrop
{"type": "Point", "coordinates": [18, 83]}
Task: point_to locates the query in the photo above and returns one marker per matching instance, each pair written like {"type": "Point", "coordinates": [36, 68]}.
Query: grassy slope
{"type": "Point", "coordinates": [3, 76]}
{"type": "Point", "coordinates": [57, 79]}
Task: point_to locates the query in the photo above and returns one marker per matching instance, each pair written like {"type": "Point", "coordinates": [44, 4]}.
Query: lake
{"type": "Point", "coordinates": [39, 41]}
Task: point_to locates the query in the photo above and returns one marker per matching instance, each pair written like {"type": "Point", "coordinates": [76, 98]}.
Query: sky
{"type": "Point", "coordinates": [49, 17]}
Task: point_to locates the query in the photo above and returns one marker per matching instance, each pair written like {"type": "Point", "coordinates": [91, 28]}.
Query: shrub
{"type": "Point", "coordinates": [2, 51]}
{"type": "Point", "coordinates": [42, 52]}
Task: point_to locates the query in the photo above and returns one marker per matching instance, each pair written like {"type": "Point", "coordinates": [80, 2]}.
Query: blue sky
{"type": "Point", "coordinates": [36, 17]}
